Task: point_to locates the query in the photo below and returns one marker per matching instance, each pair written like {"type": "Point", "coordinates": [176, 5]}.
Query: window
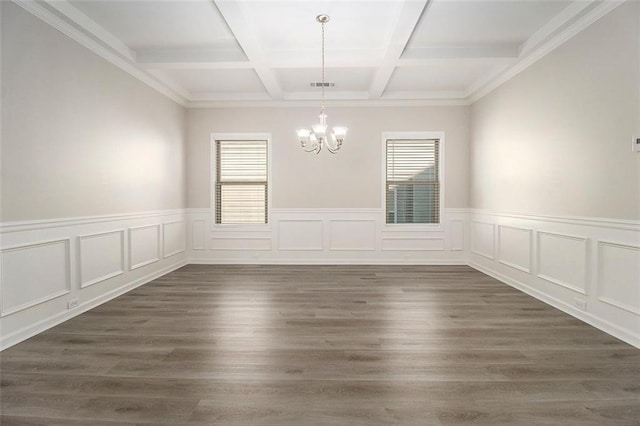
{"type": "Point", "coordinates": [412, 186]}
{"type": "Point", "coordinates": [241, 181]}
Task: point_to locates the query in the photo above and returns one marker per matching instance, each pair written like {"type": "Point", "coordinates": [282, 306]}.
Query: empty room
{"type": "Point", "coordinates": [306, 212]}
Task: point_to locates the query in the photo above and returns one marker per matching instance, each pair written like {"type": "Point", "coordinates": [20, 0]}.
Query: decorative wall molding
{"type": "Point", "coordinates": [30, 329]}
{"type": "Point", "coordinates": [52, 270]}
{"type": "Point", "coordinates": [144, 245]}
{"type": "Point", "coordinates": [352, 235]}
{"type": "Point", "coordinates": [39, 224]}
{"type": "Point", "coordinates": [589, 268]}
{"type": "Point", "coordinates": [173, 238]}
{"type": "Point", "coordinates": [562, 260]}
{"type": "Point", "coordinates": [100, 256]}
{"type": "Point", "coordinates": [413, 244]}
{"type": "Point", "coordinates": [240, 244]}
{"type": "Point", "coordinates": [300, 234]}
{"type": "Point", "coordinates": [456, 234]}
{"type": "Point", "coordinates": [618, 281]}
{"type": "Point", "coordinates": [483, 240]}
{"type": "Point", "coordinates": [198, 234]}
{"type": "Point", "coordinates": [601, 222]}
{"type": "Point", "coordinates": [34, 273]}
{"type": "Point", "coordinates": [515, 247]}
{"type": "Point", "coordinates": [610, 249]}
{"type": "Point", "coordinates": [329, 236]}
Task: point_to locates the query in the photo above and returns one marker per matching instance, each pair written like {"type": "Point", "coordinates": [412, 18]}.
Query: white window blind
{"type": "Point", "coordinates": [412, 181]}
{"type": "Point", "coordinates": [241, 181]}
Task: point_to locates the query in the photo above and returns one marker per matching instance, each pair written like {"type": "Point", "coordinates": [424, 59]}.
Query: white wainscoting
{"type": "Point", "coordinates": [618, 282]}
{"type": "Point", "coordinates": [86, 261]}
{"type": "Point", "coordinates": [144, 245]}
{"type": "Point", "coordinates": [101, 256]}
{"type": "Point", "coordinates": [514, 247]}
{"type": "Point", "coordinates": [589, 268]}
{"type": "Point", "coordinates": [174, 238]}
{"type": "Point", "coordinates": [34, 273]}
{"type": "Point", "coordinates": [483, 241]}
{"type": "Point", "coordinates": [328, 236]}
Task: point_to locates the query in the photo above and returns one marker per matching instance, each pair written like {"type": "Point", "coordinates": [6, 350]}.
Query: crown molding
{"type": "Point", "coordinates": [334, 103]}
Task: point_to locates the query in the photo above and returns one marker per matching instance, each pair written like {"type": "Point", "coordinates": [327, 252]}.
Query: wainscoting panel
{"type": "Point", "coordinates": [300, 235]}
{"type": "Point", "coordinates": [619, 275]}
{"type": "Point", "coordinates": [55, 269]}
{"type": "Point", "coordinates": [240, 244]}
{"type": "Point", "coordinates": [33, 274]}
{"type": "Point", "coordinates": [562, 260]}
{"type": "Point", "coordinates": [173, 238]}
{"type": "Point", "coordinates": [198, 234]}
{"type": "Point", "coordinates": [589, 268]}
{"type": "Point", "coordinates": [456, 229]}
{"type": "Point", "coordinates": [413, 244]}
{"type": "Point", "coordinates": [101, 256]}
{"type": "Point", "coordinates": [352, 235]}
{"type": "Point", "coordinates": [483, 239]}
{"type": "Point", "coordinates": [144, 245]}
{"type": "Point", "coordinates": [330, 236]}
{"type": "Point", "coordinates": [514, 247]}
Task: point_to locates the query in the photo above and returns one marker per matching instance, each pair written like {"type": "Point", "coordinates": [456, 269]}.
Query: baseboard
{"type": "Point", "coordinates": [286, 261]}
{"type": "Point", "coordinates": [47, 323]}
{"type": "Point", "coordinates": [618, 332]}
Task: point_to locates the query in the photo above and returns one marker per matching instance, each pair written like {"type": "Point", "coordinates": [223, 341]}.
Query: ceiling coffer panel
{"type": "Point", "coordinates": [209, 50]}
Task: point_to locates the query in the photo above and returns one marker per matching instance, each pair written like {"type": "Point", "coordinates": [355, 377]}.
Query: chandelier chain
{"type": "Point", "coordinates": [322, 91]}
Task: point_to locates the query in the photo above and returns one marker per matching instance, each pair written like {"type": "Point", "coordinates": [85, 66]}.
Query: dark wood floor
{"type": "Point", "coordinates": [322, 345]}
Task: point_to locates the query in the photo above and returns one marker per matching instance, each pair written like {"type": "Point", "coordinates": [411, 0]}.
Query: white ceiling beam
{"type": "Point", "coordinates": [406, 21]}
{"type": "Point", "coordinates": [417, 54]}
{"type": "Point", "coordinates": [556, 24]}
{"type": "Point", "coordinates": [234, 13]}
{"type": "Point", "coordinates": [337, 95]}
{"type": "Point", "coordinates": [336, 58]}
{"type": "Point", "coordinates": [423, 94]}
{"type": "Point", "coordinates": [178, 58]}
{"type": "Point", "coordinates": [90, 26]}
{"type": "Point", "coordinates": [228, 96]}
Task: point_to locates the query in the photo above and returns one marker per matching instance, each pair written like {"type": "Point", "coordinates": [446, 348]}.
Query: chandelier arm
{"type": "Point", "coordinates": [335, 148]}
{"type": "Point", "coordinates": [315, 147]}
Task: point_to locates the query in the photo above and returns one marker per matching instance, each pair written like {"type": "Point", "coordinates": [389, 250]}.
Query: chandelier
{"type": "Point", "coordinates": [314, 139]}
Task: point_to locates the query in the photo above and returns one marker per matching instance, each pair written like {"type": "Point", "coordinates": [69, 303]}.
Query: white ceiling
{"type": "Point", "coordinates": [221, 52]}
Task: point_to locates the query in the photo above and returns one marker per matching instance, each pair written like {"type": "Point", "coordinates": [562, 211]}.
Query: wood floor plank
{"type": "Point", "coordinates": [321, 345]}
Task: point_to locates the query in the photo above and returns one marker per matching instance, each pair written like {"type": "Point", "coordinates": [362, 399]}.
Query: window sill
{"type": "Point", "coordinates": [240, 227]}
{"type": "Point", "coordinates": [413, 227]}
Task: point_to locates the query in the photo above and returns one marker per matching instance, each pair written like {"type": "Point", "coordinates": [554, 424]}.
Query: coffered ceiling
{"type": "Point", "coordinates": [265, 52]}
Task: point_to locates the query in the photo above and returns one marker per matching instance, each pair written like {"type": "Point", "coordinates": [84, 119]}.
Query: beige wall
{"type": "Point", "coordinates": [350, 179]}
{"type": "Point", "coordinates": [556, 139]}
{"type": "Point", "coordinates": [80, 136]}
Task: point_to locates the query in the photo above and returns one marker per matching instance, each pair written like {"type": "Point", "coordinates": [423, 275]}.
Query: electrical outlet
{"type": "Point", "coordinates": [580, 304]}
{"type": "Point", "coordinates": [73, 303]}
{"type": "Point", "coordinates": [635, 144]}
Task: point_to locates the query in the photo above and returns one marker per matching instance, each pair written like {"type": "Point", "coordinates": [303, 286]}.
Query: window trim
{"type": "Point", "coordinates": [413, 227]}
{"type": "Point", "coordinates": [212, 181]}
